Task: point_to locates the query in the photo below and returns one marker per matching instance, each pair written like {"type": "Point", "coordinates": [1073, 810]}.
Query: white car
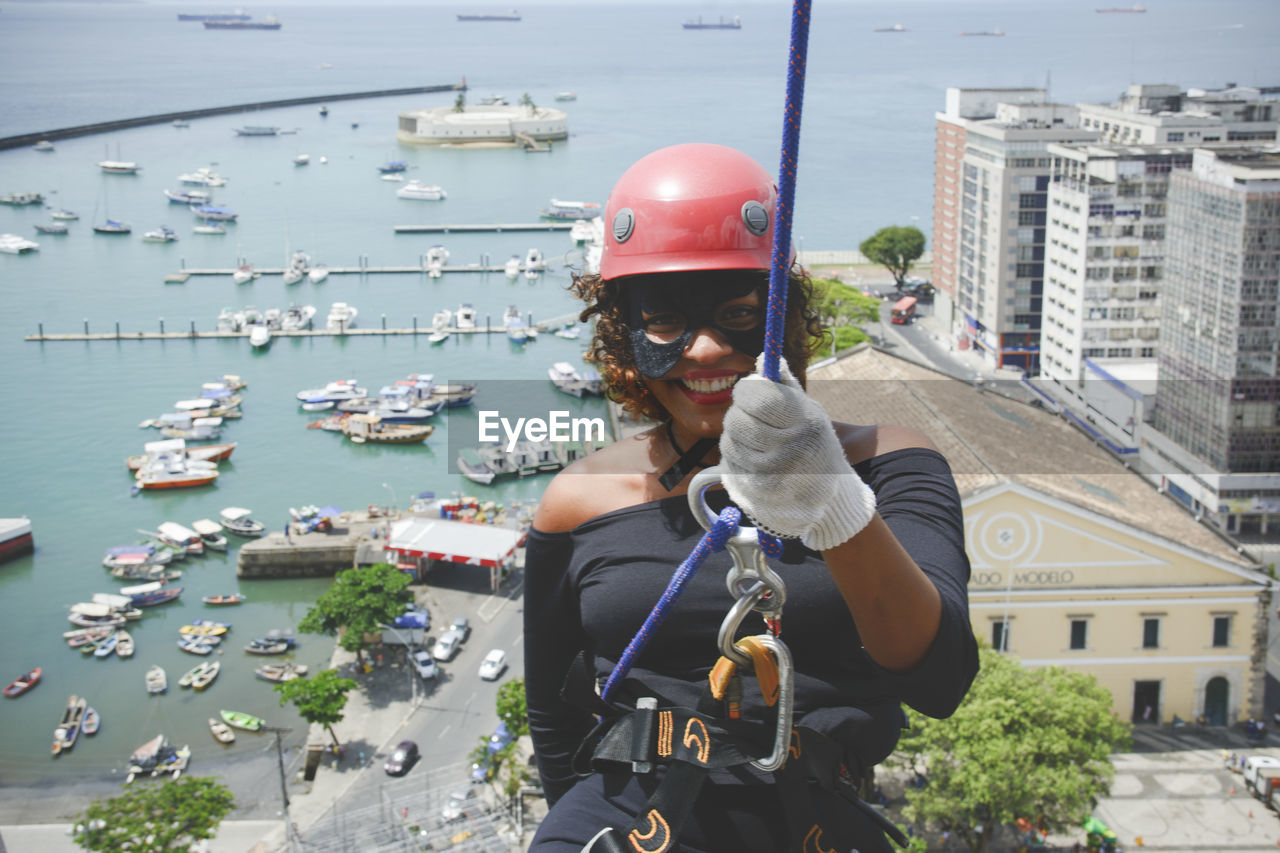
{"type": "Point", "coordinates": [447, 646]}
{"type": "Point", "coordinates": [493, 665]}
{"type": "Point", "coordinates": [425, 664]}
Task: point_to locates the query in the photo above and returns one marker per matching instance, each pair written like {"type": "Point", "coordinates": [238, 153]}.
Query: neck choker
{"type": "Point", "coordinates": [688, 461]}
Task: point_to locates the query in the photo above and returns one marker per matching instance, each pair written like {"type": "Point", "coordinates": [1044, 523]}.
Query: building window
{"type": "Point", "coordinates": [1221, 631]}
{"type": "Point", "coordinates": [1000, 635]}
{"type": "Point", "coordinates": [1151, 633]}
{"type": "Point", "coordinates": [1079, 633]}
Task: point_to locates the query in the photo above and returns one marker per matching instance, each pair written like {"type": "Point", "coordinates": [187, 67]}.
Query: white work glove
{"type": "Point", "coordinates": [783, 466]}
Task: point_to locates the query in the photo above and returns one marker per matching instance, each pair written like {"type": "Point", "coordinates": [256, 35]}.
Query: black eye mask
{"type": "Point", "coordinates": [696, 299]}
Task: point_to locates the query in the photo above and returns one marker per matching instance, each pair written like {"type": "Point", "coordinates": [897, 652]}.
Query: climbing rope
{"type": "Point", "coordinates": [726, 525]}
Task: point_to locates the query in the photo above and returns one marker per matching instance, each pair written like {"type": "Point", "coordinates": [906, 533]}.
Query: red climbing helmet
{"type": "Point", "coordinates": [689, 207]}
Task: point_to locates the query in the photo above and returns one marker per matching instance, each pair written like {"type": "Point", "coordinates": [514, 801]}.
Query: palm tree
{"type": "Point", "coordinates": [460, 103]}
{"type": "Point", "coordinates": [526, 100]}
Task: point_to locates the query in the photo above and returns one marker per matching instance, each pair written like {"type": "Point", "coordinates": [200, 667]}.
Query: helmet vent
{"type": "Point", "coordinates": [624, 223]}
{"type": "Point", "coordinates": [754, 216]}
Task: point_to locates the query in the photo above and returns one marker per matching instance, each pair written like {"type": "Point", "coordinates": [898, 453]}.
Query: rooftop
{"type": "Point", "coordinates": [989, 439]}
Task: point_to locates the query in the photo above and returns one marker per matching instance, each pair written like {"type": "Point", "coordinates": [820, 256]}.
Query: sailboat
{"type": "Point", "coordinates": [110, 226]}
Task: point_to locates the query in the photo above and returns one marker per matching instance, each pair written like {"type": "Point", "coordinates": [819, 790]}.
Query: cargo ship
{"type": "Point", "coordinates": [513, 15]}
{"type": "Point", "coordinates": [15, 538]}
{"type": "Point", "coordinates": [269, 23]}
{"type": "Point", "coordinates": [722, 24]}
{"type": "Point", "coordinates": [237, 15]}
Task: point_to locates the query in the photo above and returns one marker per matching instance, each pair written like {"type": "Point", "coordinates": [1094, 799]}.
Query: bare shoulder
{"type": "Point", "coordinates": [609, 479]}
{"type": "Point", "coordinates": [867, 442]}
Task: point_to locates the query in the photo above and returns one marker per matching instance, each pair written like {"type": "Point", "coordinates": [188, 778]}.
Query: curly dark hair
{"type": "Point", "coordinates": [610, 348]}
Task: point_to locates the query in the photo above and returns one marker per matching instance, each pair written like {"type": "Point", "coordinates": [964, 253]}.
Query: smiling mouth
{"type": "Point", "coordinates": [710, 386]}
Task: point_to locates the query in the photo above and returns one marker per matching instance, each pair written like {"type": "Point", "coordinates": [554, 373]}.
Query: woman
{"type": "Point", "coordinates": [876, 611]}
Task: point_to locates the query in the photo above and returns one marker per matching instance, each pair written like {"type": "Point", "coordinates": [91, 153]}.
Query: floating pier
{"type": "Point", "coordinates": [550, 225]}
{"type": "Point", "coordinates": [191, 332]}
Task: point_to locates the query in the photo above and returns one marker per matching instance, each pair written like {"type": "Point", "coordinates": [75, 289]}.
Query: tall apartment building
{"type": "Point", "coordinates": [991, 181]}
{"type": "Point", "coordinates": [1218, 400]}
{"type": "Point", "coordinates": [1105, 255]}
{"type": "Point", "coordinates": [1108, 165]}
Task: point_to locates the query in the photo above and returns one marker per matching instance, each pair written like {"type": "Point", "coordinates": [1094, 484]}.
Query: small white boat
{"type": "Point", "coordinates": [118, 167]}
{"type": "Point", "coordinates": [418, 191]}
{"type": "Point", "coordinates": [43, 145]}
{"type": "Point", "coordinates": [157, 681]}
{"type": "Point", "coordinates": [259, 336]}
{"type": "Point", "coordinates": [244, 274]}
{"type": "Point", "coordinates": [438, 336]}
{"type": "Point", "coordinates": [566, 378]}
{"type": "Point", "coordinates": [465, 317]}
{"type": "Point", "coordinates": [237, 520]}
{"type": "Point", "coordinates": [435, 260]}
{"type": "Point", "coordinates": [533, 264]}
{"type": "Point", "coordinates": [204, 226]}
{"type": "Point", "coordinates": [581, 232]}
{"type": "Point", "coordinates": [440, 327]}
{"type": "Point", "coordinates": [52, 228]}
{"type": "Point", "coordinates": [64, 214]}
{"type": "Point", "coordinates": [323, 160]}
{"type": "Point", "coordinates": [163, 234]}
{"type": "Point", "coordinates": [566, 96]}
{"type": "Point", "coordinates": [203, 177]}
{"type": "Point", "coordinates": [180, 123]}
{"type": "Point", "coordinates": [394, 177]}
{"type": "Point", "coordinates": [569, 332]}
{"type": "Point", "coordinates": [318, 273]}
{"type": "Point", "coordinates": [211, 534]}
{"type": "Point", "coordinates": [12, 244]}
{"type": "Point", "coordinates": [297, 317]}
{"type": "Point", "coordinates": [302, 160]}
{"type": "Point", "coordinates": [512, 267]}
{"type": "Point", "coordinates": [341, 317]}
{"type": "Point", "coordinates": [188, 197]}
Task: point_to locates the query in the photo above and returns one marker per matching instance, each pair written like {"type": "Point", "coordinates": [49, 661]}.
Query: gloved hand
{"type": "Point", "coordinates": [783, 465]}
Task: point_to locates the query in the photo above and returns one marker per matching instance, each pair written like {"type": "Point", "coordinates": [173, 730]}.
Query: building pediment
{"type": "Point", "coordinates": [1018, 538]}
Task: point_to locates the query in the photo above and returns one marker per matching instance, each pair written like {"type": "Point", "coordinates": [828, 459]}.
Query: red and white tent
{"type": "Point", "coordinates": [454, 541]}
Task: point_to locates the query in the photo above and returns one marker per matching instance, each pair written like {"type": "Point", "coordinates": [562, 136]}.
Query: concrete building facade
{"type": "Point", "coordinates": [990, 215]}
{"type": "Point", "coordinates": [1219, 396]}
{"type": "Point", "coordinates": [492, 123]}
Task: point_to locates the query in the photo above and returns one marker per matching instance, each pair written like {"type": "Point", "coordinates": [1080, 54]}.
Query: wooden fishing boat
{"type": "Point", "coordinates": [223, 600]}
{"type": "Point", "coordinates": [204, 453]}
{"type": "Point", "coordinates": [23, 683]}
{"type": "Point", "coordinates": [206, 677]}
{"type": "Point", "coordinates": [85, 635]}
{"type": "Point", "coordinates": [91, 648]}
{"type": "Point", "coordinates": [206, 630]}
{"type": "Point", "coordinates": [279, 672]}
{"type": "Point", "coordinates": [241, 720]}
{"type": "Point", "coordinates": [236, 520]}
{"type": "Point", "coordinates": [107, 647]}
{"type": "Point", "coordinates": [157, 681]}
{"type": "Point", "coordinates": [210, 533]}
{"type": "Point", "coordinates": [256, 648]}
{"type": "Point", "coordinates": [193, 646]}
{"type": "Point", "coordinates": [124, 644]}
{"type": "Point", "coordinates": [189, 675]}
{"type": "Point", "coordinates": [64, 736]}
{"type": "Point", "coordinates": [92, 722]}
{"type": "Point", "coordinates": [221, 731]}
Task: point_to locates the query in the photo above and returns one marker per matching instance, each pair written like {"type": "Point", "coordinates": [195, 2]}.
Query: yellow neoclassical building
{"type": "Point", "coordinates": [1077, 561]}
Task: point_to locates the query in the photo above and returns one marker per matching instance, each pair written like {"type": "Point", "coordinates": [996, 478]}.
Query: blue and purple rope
{"type": "Point", "coordinates": [775, 326]}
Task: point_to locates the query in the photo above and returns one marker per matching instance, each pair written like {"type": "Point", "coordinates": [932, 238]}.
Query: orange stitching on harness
{"type": "Point", "coordinates": [656, 822]}
{"type": "Point", "coordinates": [703, 740]}
{"type": "Point", "coordinates": [815, 835]}
{"type": "Point", "coordinates": [666, 725]}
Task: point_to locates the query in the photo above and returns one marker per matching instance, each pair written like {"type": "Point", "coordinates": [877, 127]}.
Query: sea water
{"type": "Point", "coordinates": [71, 410]}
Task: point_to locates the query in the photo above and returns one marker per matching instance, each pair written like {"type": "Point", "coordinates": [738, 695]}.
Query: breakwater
{"type": "Point", "coordinates": [161, 118]}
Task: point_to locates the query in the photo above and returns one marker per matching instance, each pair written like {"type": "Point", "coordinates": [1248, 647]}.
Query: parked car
{"type": "Point", "coordinates": [463, 626]}
{"type": "Point", "coordinates": [493, 665]}
{"type": "Point", "coordinates": [501, 737]}
{"type": "Point", "coordinates": [401, 758]}
{"type": "Point", "coordinates": [414, 616]}
{"type": "Point", "coordinates": [459, 803]}
{"type": "Point", "coordinates": [447, 646]}
{"type": "Point", "coordinates": [424, 663]}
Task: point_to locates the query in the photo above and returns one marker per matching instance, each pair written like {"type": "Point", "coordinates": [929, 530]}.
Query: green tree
{"type": "Point", "coordinates": [526, 100]}
{"type": "Point", "coordinates": [460, 103]}
{"type": "Point", "coordinates": [511, 707]}
{"type": "Point", "coordinates": [149, 819]}
{"type": "Point", "coordinates": [840, 304]}
{"type": "Point", "coordinates": [320, 699]}
{"type": "Point", "coordinates": [894, 248]}
{"type": "Point", "coordinates": [1024, 743]}
{"type": "Point", "coordinates": [357, 603]}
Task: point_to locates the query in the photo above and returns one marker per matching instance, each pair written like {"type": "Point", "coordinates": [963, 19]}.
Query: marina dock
{"type": "Point", "coordinates": [551, 225]}
{"type": "Point", "coordinates": [192, 333]}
